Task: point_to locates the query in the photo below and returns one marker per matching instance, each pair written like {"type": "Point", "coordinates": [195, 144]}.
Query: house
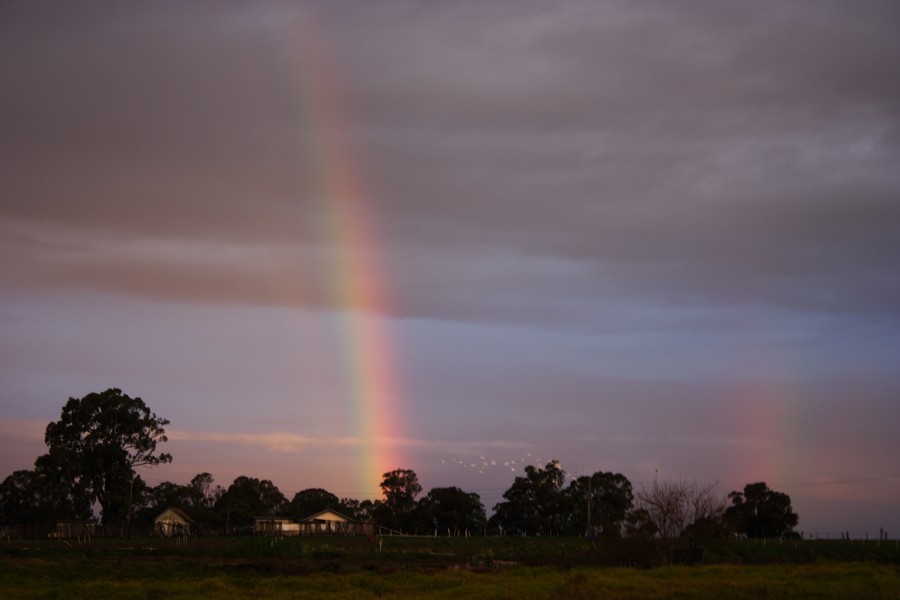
{"type": "Point", "coordinates": [331, 521]}
{"type": "Point", "coordinates": [326, 517]}
{"type": "Point", "coordinates": [322, 523]}
{"type": "Point", "coordinates": [173, 521]}
{"type": "Point", "coordinates": [275, 526]}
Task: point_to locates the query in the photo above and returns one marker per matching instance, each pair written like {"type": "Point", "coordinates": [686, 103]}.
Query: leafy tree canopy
{"type": "Point", "coordinates": [759, 512]}
{"type": "Point", "coordinates": [43, 496]}
{"type": "Point", "coordinates": [310, 501]}
{"type": "Point", "coordinates": [203, 491]}
{"type": "Point", "coordinates": [534, 504]}
{"type": "Point", "coordinates": [400, 487]}
{"type": "Point", "coordinates": [451, 509]}
{"type": "Point", "coordinates": [97, 443]}
{"type": "Point", "coordinates": [247, 498]}
{"type": "Point", "coordinates": [19, 503]}
{"type": "Point", "coordinates": [358, 510]}
{"type": "Point", "coordinates": [600, 502]}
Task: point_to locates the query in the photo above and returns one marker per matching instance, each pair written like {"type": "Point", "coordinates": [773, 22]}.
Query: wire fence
{"type": "Point", "coordinates": [84, 530]}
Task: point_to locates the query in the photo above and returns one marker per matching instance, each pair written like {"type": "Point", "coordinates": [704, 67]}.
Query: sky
{"type": "Point", "coordinates": [328, 239]}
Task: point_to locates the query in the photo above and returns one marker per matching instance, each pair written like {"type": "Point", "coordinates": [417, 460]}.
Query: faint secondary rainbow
{"type": "Point", "coordinates": [357, 282]}
{"type": "Point", "coordinates": [764, 408]}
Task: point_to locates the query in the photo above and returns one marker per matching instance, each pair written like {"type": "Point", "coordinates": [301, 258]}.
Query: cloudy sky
{"type": "Point", "coordinates": [327, 239]}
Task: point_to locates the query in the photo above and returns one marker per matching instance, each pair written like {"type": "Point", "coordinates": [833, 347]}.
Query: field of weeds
{"type": "Point", "coordinates": [434, 568]}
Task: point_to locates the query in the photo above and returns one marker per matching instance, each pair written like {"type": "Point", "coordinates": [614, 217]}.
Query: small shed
{"type": "Point", "coordinates": [173, 521]}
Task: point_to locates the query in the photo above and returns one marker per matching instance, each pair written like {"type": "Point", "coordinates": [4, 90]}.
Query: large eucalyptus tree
{"type": "Point", "coordinates": [101, 438]}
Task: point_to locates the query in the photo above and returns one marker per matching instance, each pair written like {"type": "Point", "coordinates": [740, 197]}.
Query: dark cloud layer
{"type": "Point", "coordinates": [518, 154]}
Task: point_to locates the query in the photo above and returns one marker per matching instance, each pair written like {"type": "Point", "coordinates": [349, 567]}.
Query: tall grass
{"type": "Point", "coordinates": [457, 568]}
{"type": "Point", "coordinates": [156, 579]}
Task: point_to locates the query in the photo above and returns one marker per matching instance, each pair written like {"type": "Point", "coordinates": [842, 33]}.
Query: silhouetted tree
{"type": "Point", "coordinates": [310, 501]}
{"type": "Point", "coordinates": [43, 496]}
{"type": "Point", "coordinates": [641, 545]}
{"type": "Point", "coordinates": [451, 509]}
{"type": "Point", "coordinates": [23, 500]}
{"type": "Point", "coordinates": [400, 488]}
{"type": "Point", "coordinates": [535, 504]}
{"type": "Point", "coordinates": [97, 443]}
{"type": "Point", "coordinates": [168, 494]}
{"type": "Point", "coordinates": [204, 492]}
{"type": "Point", "coordinates": [759, 512]}
{"type": "Point", "coordinates": [606, 496]}
{"type": "Point", "coordinates": [19, 503]}
{"type": "Point", "coordinates": [247, 498]}
{"type": "Point", "coordinates": [197, 499]}
{"type": "Point", "coordinates": [679, 511]}
{"type": "Point", "coordinates": [362, 511]}
{"type": "Point", "coordinates": [639, 523]}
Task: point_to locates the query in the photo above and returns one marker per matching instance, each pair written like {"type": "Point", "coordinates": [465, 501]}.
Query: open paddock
{"type": "Point", "coordinates": [359, 567]}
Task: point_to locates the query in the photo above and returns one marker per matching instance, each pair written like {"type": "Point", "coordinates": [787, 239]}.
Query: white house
{"type": "Point", "coordinates": [333, 522]}
{"type": "Point", "coordinates": [327, 517]}
{"type": "Point", "coordinates": [173, 521]}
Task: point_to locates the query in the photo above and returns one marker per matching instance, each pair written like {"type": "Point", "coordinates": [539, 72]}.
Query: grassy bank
{"type": "Point", "coordinates": [435, 568]}
{"type": "Point", "coordinates": [29, 578]}
{"type": "Point", "coordinates": [401, 551]}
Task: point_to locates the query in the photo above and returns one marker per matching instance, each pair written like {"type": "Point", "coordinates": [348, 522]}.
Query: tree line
{"type": "Point", "coordinates": [100, 439]}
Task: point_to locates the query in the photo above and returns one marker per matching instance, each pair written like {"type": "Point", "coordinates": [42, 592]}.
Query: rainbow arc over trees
{"type": "Point", "coordinates": [357, 280]}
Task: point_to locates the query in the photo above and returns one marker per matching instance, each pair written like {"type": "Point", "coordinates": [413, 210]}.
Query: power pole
{"type": "Point", "coordinates": [590, 498]}
{"type": "Point", "coordinates": [130, 496]}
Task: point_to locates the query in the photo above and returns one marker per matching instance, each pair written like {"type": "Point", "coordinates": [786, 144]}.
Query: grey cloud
{"type": "Point", "coordinates": [522, 157]}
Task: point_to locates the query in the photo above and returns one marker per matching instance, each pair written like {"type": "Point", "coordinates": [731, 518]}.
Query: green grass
{"type": "Point", "coordinates": [454, 568]}
{"type": "Point", "coordinates": [775, 551]}
{"type": "Point", "coordinates": [559, 551]}
{"type": "Point", "coordinates": [30, 578]}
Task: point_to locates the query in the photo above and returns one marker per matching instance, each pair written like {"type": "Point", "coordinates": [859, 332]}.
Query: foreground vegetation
{"type": "Point", "coordinates": [435, 568]}
{"type": "Point", "coordinates": [838, 580]}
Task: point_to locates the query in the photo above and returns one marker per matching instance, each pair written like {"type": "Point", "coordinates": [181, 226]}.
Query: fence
{"type": "Point", "coordinates": [81, 530]}
{"type": "Point", "coordinates": [280, 528]}
{"type": "Point", "coordinates": [73, 530]}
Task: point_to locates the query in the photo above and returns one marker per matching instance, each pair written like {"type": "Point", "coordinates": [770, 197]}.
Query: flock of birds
{"type": "Point", "coordinates": [514, 465]}
{"type": "Point", "coordinates": [484, 463]}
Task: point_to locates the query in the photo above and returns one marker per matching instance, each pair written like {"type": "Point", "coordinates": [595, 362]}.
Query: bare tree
{"type": "Point", "coordinates": [682, 510]}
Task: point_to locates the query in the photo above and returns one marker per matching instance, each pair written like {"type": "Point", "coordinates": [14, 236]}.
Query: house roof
{"type": "Point", "coordinates": [178, 513]}
{"type": "Point", "coordinates": [319, 515]}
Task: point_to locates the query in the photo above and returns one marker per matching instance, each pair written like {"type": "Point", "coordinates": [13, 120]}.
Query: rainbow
{"type": "Point", "coordinates": [764, 407]}
{"type": "Point", "coordinates": [357, 278]}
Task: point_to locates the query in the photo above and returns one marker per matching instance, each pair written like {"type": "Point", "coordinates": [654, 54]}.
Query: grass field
{"type": "Point", "coordinates": [433, 568]}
